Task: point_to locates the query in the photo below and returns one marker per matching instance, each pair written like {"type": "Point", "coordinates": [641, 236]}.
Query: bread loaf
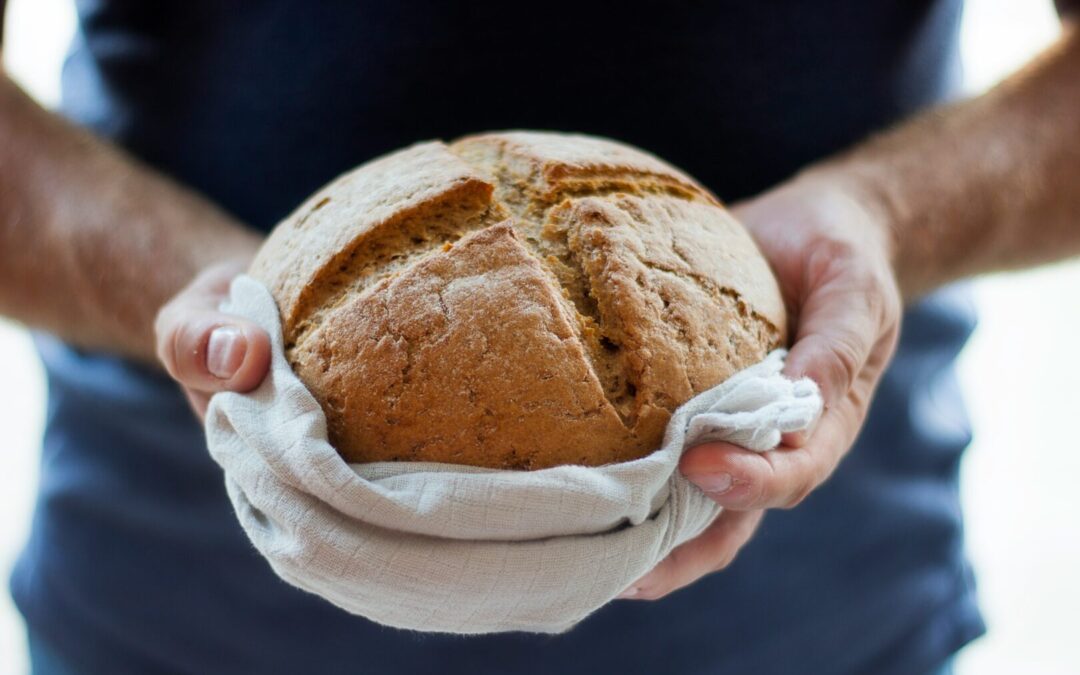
{"type": "Point", "coordinates": [515, 300]}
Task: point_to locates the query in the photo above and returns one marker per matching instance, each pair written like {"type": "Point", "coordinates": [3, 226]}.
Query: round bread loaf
{"type": "Point", "coordinates": [515, 300]}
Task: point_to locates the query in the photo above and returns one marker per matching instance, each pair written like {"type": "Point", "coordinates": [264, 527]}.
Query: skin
{"type": "Point", "coordinates": [84, 231]}
{"type": "Point", "coordinates": [984, 185]}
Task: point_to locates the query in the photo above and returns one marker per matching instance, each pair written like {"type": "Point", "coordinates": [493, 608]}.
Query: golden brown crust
{"type": "Point", "coordinates": [304, 253]}
{"type": "Point", "coordinates": [559, 164]}
{"type": "Point", "coordinates": [431, 365]}
{"type": "Point", "coordinates": [515, 300]}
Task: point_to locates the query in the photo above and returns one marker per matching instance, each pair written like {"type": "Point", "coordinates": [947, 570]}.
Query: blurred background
{"type": "Point", "coordinates": [1019, 373]}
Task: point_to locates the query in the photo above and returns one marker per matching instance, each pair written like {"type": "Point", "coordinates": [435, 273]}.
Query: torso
{"type": "Point", "coordinates": [136, 559]}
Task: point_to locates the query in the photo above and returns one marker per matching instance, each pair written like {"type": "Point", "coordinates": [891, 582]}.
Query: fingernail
{"type": "Point", "coordinates": [713, 483]}
{"type": "Point", "coordinates": [225, 351]}
{"type": "Point", "coordinates": [628, 593]}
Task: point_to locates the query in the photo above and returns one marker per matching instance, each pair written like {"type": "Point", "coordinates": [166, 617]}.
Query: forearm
{"type": "Point", "coordinates": [91, 242]}
{"type": "Point", "coordinates": [987, 184]}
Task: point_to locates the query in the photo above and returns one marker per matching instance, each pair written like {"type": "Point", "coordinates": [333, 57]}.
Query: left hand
{"type": "Point", "coordinates": [205, 350]}
{"type": "Point", "coordinates": [831, 251]}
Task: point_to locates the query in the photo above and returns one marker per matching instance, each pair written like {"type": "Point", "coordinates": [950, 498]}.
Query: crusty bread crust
{"type": "Point", "coordinates": [515, 300]}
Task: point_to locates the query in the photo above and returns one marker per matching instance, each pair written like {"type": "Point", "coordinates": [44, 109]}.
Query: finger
{"type": "Point", "coordinates": [209, 351]}
{"type": "Point", "coordinates": [797, 439]}
{"type": "Point", "coordinates": [199, 402]}
{"type": "Point", "coordinates": [712, 550]}
{"type": "Point", "coordinates": [740, 479]}
{"type": "Point", "coordinates": [840, 322]}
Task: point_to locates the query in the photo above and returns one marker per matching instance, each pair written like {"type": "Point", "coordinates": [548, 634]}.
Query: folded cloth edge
{"type": "Point", "coordinates": [356, 536]}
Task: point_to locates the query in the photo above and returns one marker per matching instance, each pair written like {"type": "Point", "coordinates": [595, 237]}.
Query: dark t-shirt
{"type": "Point", "coordinates": [136, 562]}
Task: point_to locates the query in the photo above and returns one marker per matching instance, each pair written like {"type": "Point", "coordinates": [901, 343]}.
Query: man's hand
{"type": "Point", "coordinates": [832, 255]}
{"type": "Point", "coordinates": [205, 350]}
{"type": "Point", "coordinates": [982, 185]}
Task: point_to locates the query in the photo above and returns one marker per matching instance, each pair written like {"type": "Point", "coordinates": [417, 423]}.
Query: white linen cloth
{"type": "Point", "coordinates": [456, 549]}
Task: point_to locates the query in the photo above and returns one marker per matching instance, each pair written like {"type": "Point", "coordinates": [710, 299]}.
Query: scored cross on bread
{"type": "Point", "coordinates": [515, 300]}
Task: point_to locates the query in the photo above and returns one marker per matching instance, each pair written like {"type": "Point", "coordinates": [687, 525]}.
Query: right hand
{"type": "Point", "coordinates": [831, 251]}
{"type": "Point", "coordinates": [205, 350]}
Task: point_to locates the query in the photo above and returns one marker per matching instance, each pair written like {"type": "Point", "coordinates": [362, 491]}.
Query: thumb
{"type": "Point", "coordinates": [209, 351]}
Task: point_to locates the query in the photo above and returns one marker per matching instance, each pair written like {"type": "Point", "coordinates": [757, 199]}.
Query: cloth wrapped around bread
{"type": "Point", "coordinates": [515, 300]}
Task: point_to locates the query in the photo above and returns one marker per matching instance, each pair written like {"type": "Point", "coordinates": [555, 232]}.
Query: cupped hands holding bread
{"type": "Point", "coordinates": [522, 300]}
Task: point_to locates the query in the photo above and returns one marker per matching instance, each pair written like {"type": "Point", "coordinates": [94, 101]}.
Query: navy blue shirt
{"type": "Point", "coordinates": [136, 562]}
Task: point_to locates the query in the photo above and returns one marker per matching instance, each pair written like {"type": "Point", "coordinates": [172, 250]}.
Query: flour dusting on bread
{"type": "Point", "coordinates": [515, 300]}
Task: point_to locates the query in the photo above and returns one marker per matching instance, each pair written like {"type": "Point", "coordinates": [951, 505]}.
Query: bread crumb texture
{"type": "Point", "coordinates": [515, 300]}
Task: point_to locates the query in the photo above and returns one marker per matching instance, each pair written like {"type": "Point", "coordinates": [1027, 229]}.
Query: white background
{"type": "Point", "coordinates": [1020, 374]}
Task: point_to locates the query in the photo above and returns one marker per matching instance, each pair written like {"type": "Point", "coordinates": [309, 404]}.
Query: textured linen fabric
{"type": "Point", "coordinates": [755, 407]}
{"type": "Point", "coordinates": [458, 549]}
{"type": "Point", "coordinates": [135, 562]}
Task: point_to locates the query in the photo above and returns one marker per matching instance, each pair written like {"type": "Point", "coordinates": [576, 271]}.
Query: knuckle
{"type": "Point", "coordinates": [802, 491]}
{"type": "Point", "coordinates": [827, 256]}
{"type": "Point", "coordinates": [831, 247]}
{"type": "Point", "coordinates": [725, 558]}
{"type": "Point", "coordinates": [842, 361]}
{"type": "Point", "coordinates": [760, 491]}
{"type": "Point", "coordinates": [893, 304]}
{"type": "Point", "coordinates": [767, 487]}
{"type": "Point", "coordinates": [891, 333]}
{"type": "Point", "coordinates": [860, 396]}
{"type": "Point", "coordinates": [816, 472]}
{"type": "Point", "coordinates": [883, 297]}
{"type": "Point", "coordinates": [866, 276]}
{"type": "Point", "coordinates": [753, 490]}
{"type": "Point", "coordinates": [802, 485]}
